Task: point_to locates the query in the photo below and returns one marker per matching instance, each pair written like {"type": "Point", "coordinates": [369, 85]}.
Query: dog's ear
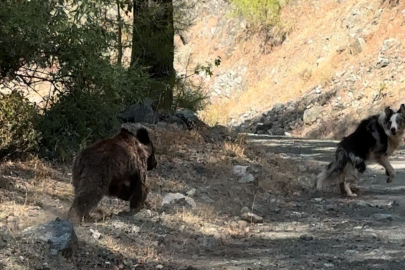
{"type": "Point", "coordinates": [402, 109]}
{"type": "Point", "coordinates": [388, 110]}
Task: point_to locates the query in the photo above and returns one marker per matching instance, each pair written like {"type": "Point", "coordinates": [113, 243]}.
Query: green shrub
{"type": "Point", "coordinates": [17, 125]}
{"type": "Point", "coordinates": [74, 120]}
{"type": "Point", "coordinates": [258, 12]}
{"type": "Point", "coordinates": [89, 112]}
{"type": "Point", "coordinates": [189, 95]}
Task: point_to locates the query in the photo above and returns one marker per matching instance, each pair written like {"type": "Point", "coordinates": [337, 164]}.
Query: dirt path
{"type": "Point", "coordinates": [328, 231]}
{"type": "Point", "coordinates": [299, 231]}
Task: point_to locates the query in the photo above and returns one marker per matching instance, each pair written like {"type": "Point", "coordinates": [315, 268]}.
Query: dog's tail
{"type": "Point", "coordinates": [334, 169]}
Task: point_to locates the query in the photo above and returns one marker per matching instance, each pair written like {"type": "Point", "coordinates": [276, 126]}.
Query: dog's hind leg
{"type": "Point", "coordinates": [389, 170]}
{"type": "Point", "coordinates": [344, 185]}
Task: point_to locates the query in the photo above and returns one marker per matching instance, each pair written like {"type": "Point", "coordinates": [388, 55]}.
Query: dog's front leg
{"type": "Point", "coordinates": [389, 170]}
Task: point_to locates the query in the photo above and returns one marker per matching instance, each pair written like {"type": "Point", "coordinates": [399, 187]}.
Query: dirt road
{"type": "Point", "coordinates": [327, 231]}
{"type": "Point", "coordinates": [304, 230]}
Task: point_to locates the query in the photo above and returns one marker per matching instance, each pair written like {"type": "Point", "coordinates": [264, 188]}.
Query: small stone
{"type": "Point", "coordinates": [191, 192]}
{"type": "Point", "coordinates": [318, 199]}
{"type": "Point", "coordinates": [247, 178]}
{"type": "Point", "coordinates": [382, 62]}
{"type": "Point", "coordinates": [306, 237]}
{"type": "Point", "coordinates": [329, 265]}
{"type": "Point", "coordinates": [242, 223]}
{"type": "Point", "coordinates": [250, 217]}
{"type": "Point", "coordinates": [383, 217]}
{"type": "Point", "coordinates": [351, 251]}
{"type": "Point", "coordinates": [240, 170]}
{"type": "Point", "coordinates": [136, 229]}
{"type": "Point", "coordinates": [159, 266]}
{"type": "Point", "coordinates": [207, 199]}
{"type": "Point", "coordinates": [171, 198]}
{"type": "Point", "coordinates": [12, 222]}
{"type": "Point", "coordinates": [388, 44]}
{"type": "Point", "coordinates": [96, 234]}
{"type": "Point", "coordinates": [362, 203]}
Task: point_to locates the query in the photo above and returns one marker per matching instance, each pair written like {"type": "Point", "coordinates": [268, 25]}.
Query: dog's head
{"type": "Point", "coordinates": [394, 122]}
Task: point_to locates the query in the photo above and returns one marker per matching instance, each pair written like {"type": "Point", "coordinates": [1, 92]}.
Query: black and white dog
{"type": "Point", "coordinates": [376, 138]}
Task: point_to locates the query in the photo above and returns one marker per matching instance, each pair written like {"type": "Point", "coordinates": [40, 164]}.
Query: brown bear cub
{"type": "Point", "coordinates": [115, 167]}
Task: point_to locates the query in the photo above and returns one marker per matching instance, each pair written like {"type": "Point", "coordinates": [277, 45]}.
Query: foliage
{"type": "Point", "coordinates": [189, 88]}
{"type": "Point", "coordinates": [86, 115]}
{"type": "Point", "coordinates": [76, 46]}
{"type": "Point", "coordinates": [68, 44]}
{"type": "Point", "coordinates": [258, 12]}
{"type": "Point", "coordinates": [17, 130]}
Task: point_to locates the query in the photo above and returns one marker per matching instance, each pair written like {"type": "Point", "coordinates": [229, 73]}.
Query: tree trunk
{"type": "Point", "coordinates": [153, 46]}
{"type": "Point", "coordinates": [119, 56]}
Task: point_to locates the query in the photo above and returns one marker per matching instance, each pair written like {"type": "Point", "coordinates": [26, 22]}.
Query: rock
{"type": "Point", "coordinates": [172, 198]}
{"type": "Point", "coordinates": [262, 127]}
{"type": "Point", "coordinates": [246, 178]}
{"type": "Point", "coordinates": [382, 204]}
{"type": "Point", "coordinates": [250, 217]}
{"type": "Point", "coordinates": [12, 223]}
{"type": "Point", "coordinates": [240, 170]}
{"type": "Point", "coordinates": [383, 217]}
{"type": "Point", "coordinates": [306, 237]}
{"type": "Point", "coordinates": [159, 266]}
{"type": "Point", "coordinates": [96, 234]}
{"type": "Point", "coordinates": [191, 192]}
{"type": "Point", "coordinates": [171, 119]}
{"type": "Point", "coordinates": [243, 175]}
{"type": "Point", "coordinates": [328, 265]}
{"type": "Point", "coordinates": [189, 117]}
{"type": "Point", "coordinates": [139, 113]}
{"type": "Point", "coordinates": [135, 229]}
{"type": "Point", "coordinates": [242, 224]}
{"type": "Point", "coordinates": [312, 114]}
{"type": "Point", "coordinates": [382, 62]}
{"type": "Point", "coordinates": [207, 199]}
{"type": "Point", "coordinates": [388, 44]}
{"type": "Point", "coordinates": [58, 233]}
{"type": "Point", "coordinates": [351, 251]}
{"type": "Point", "coordinates": [357, 46]}
{"type": "Point", "coordinates": [245, 210]}
{"type": "Point", "coordinates": [362, 203]}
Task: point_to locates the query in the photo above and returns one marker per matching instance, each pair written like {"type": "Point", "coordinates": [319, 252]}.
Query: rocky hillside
{"type": "Point", "coordinates": [340, 61]}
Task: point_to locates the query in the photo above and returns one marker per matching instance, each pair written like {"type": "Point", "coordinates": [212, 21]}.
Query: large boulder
{"type": "Point", "coordinates": [141, 112]}
{"type": "Point", "coordinates": [312, 114]}
{"type": "Point", "coordinates": [58, 233]}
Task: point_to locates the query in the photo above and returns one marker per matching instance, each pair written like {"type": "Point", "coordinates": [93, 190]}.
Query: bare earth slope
{"type": "Point", "coordinates": [352, 47]}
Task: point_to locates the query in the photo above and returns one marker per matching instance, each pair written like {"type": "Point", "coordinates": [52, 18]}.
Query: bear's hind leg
{"type": "Point", "coordinates": [140, 192]}
{"type": "Point", "coordinates": [84, 202]}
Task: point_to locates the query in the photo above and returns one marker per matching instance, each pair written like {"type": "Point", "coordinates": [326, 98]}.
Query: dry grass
{"type": "Point", "coordinates": [290, 70]}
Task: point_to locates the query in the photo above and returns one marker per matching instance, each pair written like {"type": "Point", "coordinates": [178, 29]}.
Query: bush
{"type": "Point", "coordinates": [258, 12]}
{"type": "Point", "coordinates": [89, 113]}
{"type": "Point", "coordinates": [189, 94]}
{"type": "Point", "coordinates": [74, 120]}
{"type": "Point", "coordinates": [17, 125]}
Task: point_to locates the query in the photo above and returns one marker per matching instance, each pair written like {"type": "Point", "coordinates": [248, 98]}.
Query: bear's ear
{"type": "Point", "coordinates": [143, 136]}
{"type": "Point", "coordinates": [124, 130]}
